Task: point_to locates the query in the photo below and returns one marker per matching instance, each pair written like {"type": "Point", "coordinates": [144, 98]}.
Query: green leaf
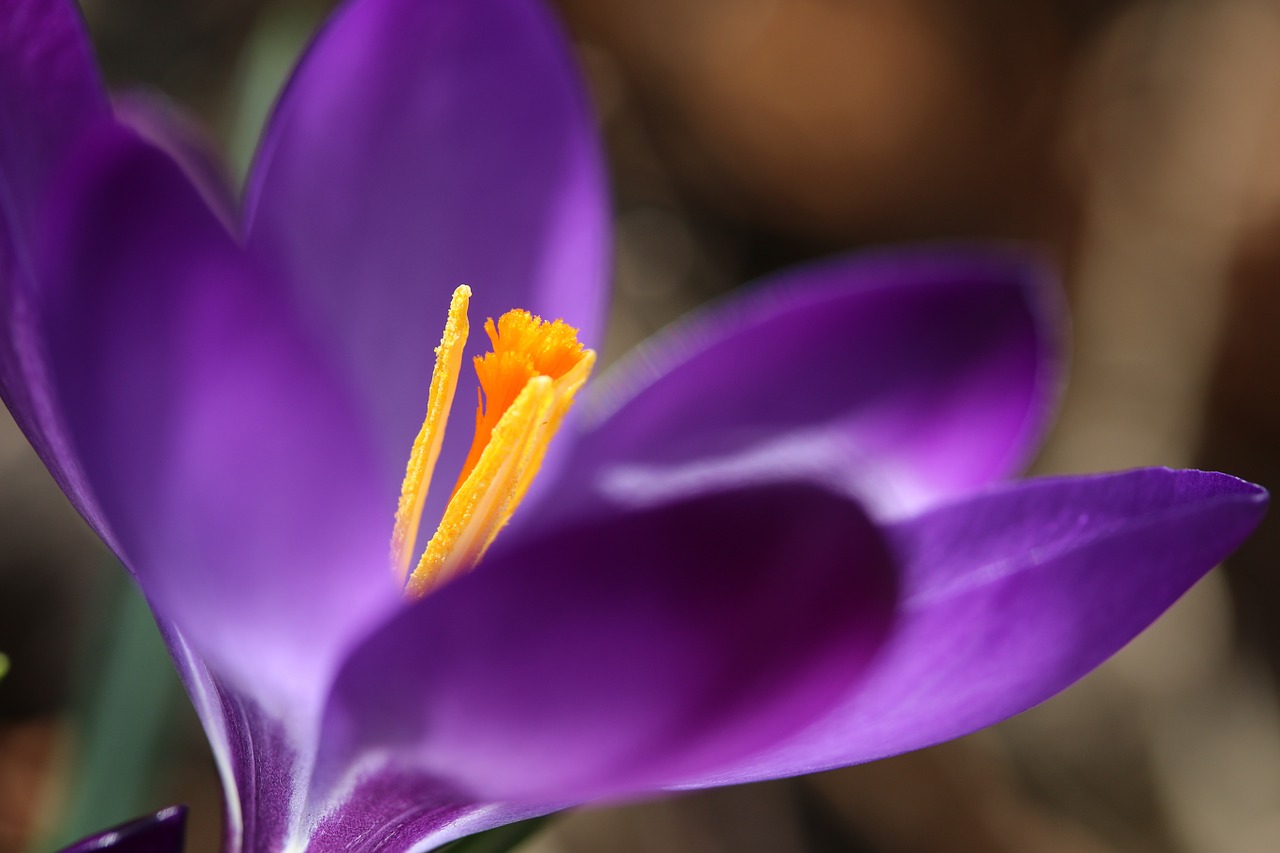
{"type": "Point", "coordinates": [123, 722]}
{"type": "Point", "coordinates": [266, 61]}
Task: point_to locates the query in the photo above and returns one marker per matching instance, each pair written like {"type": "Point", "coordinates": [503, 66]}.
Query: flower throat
{"type": "Point", "coordinates": [527, 384]}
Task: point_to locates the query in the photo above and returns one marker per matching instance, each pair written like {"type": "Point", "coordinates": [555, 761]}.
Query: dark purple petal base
{"type": "Point", "coordinates": [163, 832]}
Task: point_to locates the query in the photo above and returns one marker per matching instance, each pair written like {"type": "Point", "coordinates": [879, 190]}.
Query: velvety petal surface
{"type": "Point", "coordinates": [1012, 595]}
{"type": "Point", "coordinates": [233, 762]}
{"type": "Point", "coordinates": [163, 832]}
{"type": "Point", "coordinates": [232, 465]}
{"type": "Point", "coordinates": [403, 810]}
{"type": "Point", "coordinates": [424, 144]}
{"type": "Point", "coordinates": [619, 654]}
{"type": "Point", "coordinates": [910, 376]}
{"type": "Point", "coordinates": [49, 94]}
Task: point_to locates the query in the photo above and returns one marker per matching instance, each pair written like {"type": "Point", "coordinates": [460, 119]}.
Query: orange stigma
{"type": "Point", "coordinates": [527, 385]}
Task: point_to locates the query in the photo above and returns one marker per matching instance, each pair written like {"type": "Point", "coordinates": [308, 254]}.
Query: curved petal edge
{"type": "Point", "coordinates": [163, 832]}
{"type": "Point", "coordinates": [1012, 595]}
{"type": "Point", "coordinates": [625, 652]}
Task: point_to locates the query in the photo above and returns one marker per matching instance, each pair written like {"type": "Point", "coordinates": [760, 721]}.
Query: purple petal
{"type": "Point", "coordinates": [50, 94]}
{"type": "Point", "coordinates": [622, 653]}
{"type": "Point", "coordinates": [263, 770]}
{"type": "Point", "coordinates": [258, 757]}
{"type": "Point", "coordinates": [232, 761]}
{"type": "Point", "coordinates": [165, 126]}
{"type": "Point", "coordinates": [911, 375]}
{"type": "Point", "coordinates": [419, 146]}
{"type": "Point", "coordinates": [408, 811]}
{"type": "Point", "coordinates": [163, 832]}
{"type": "Point", "coordinates": [234, 471]}
{"type": "Point", "coordinates": [1011, 596]}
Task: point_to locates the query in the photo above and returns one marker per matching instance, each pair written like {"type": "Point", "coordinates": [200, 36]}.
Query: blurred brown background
{"type": "Point", "coordinates": [1138, 141]}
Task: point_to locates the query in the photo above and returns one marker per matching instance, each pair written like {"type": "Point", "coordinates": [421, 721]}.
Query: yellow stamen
{"type": "Point", "coordinates": [565, 388]}
{"type": "Point", "coordinates": [426, 447]}
{"type": "Point", "coordinates": [485, 501]}
{"type": "Point", "coordinates": [527, 385]}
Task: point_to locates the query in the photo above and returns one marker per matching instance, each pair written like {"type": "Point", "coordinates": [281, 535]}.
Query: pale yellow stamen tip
{"type": "Point", "coordinates": [527, 385]}
{"type": "Point", "coordinates": [426, 447]}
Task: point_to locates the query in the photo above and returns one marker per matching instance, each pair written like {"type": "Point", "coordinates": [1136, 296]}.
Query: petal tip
{"type": "Point", "coordinates": [162, 832]}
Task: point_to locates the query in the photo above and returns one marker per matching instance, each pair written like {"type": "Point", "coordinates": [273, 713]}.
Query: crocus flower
{"type": "Point", "coordinates": [775, 541]}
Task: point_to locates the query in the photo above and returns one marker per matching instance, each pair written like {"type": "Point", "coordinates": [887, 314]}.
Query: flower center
{"type": "Point", "coordinates": [527, 384]}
